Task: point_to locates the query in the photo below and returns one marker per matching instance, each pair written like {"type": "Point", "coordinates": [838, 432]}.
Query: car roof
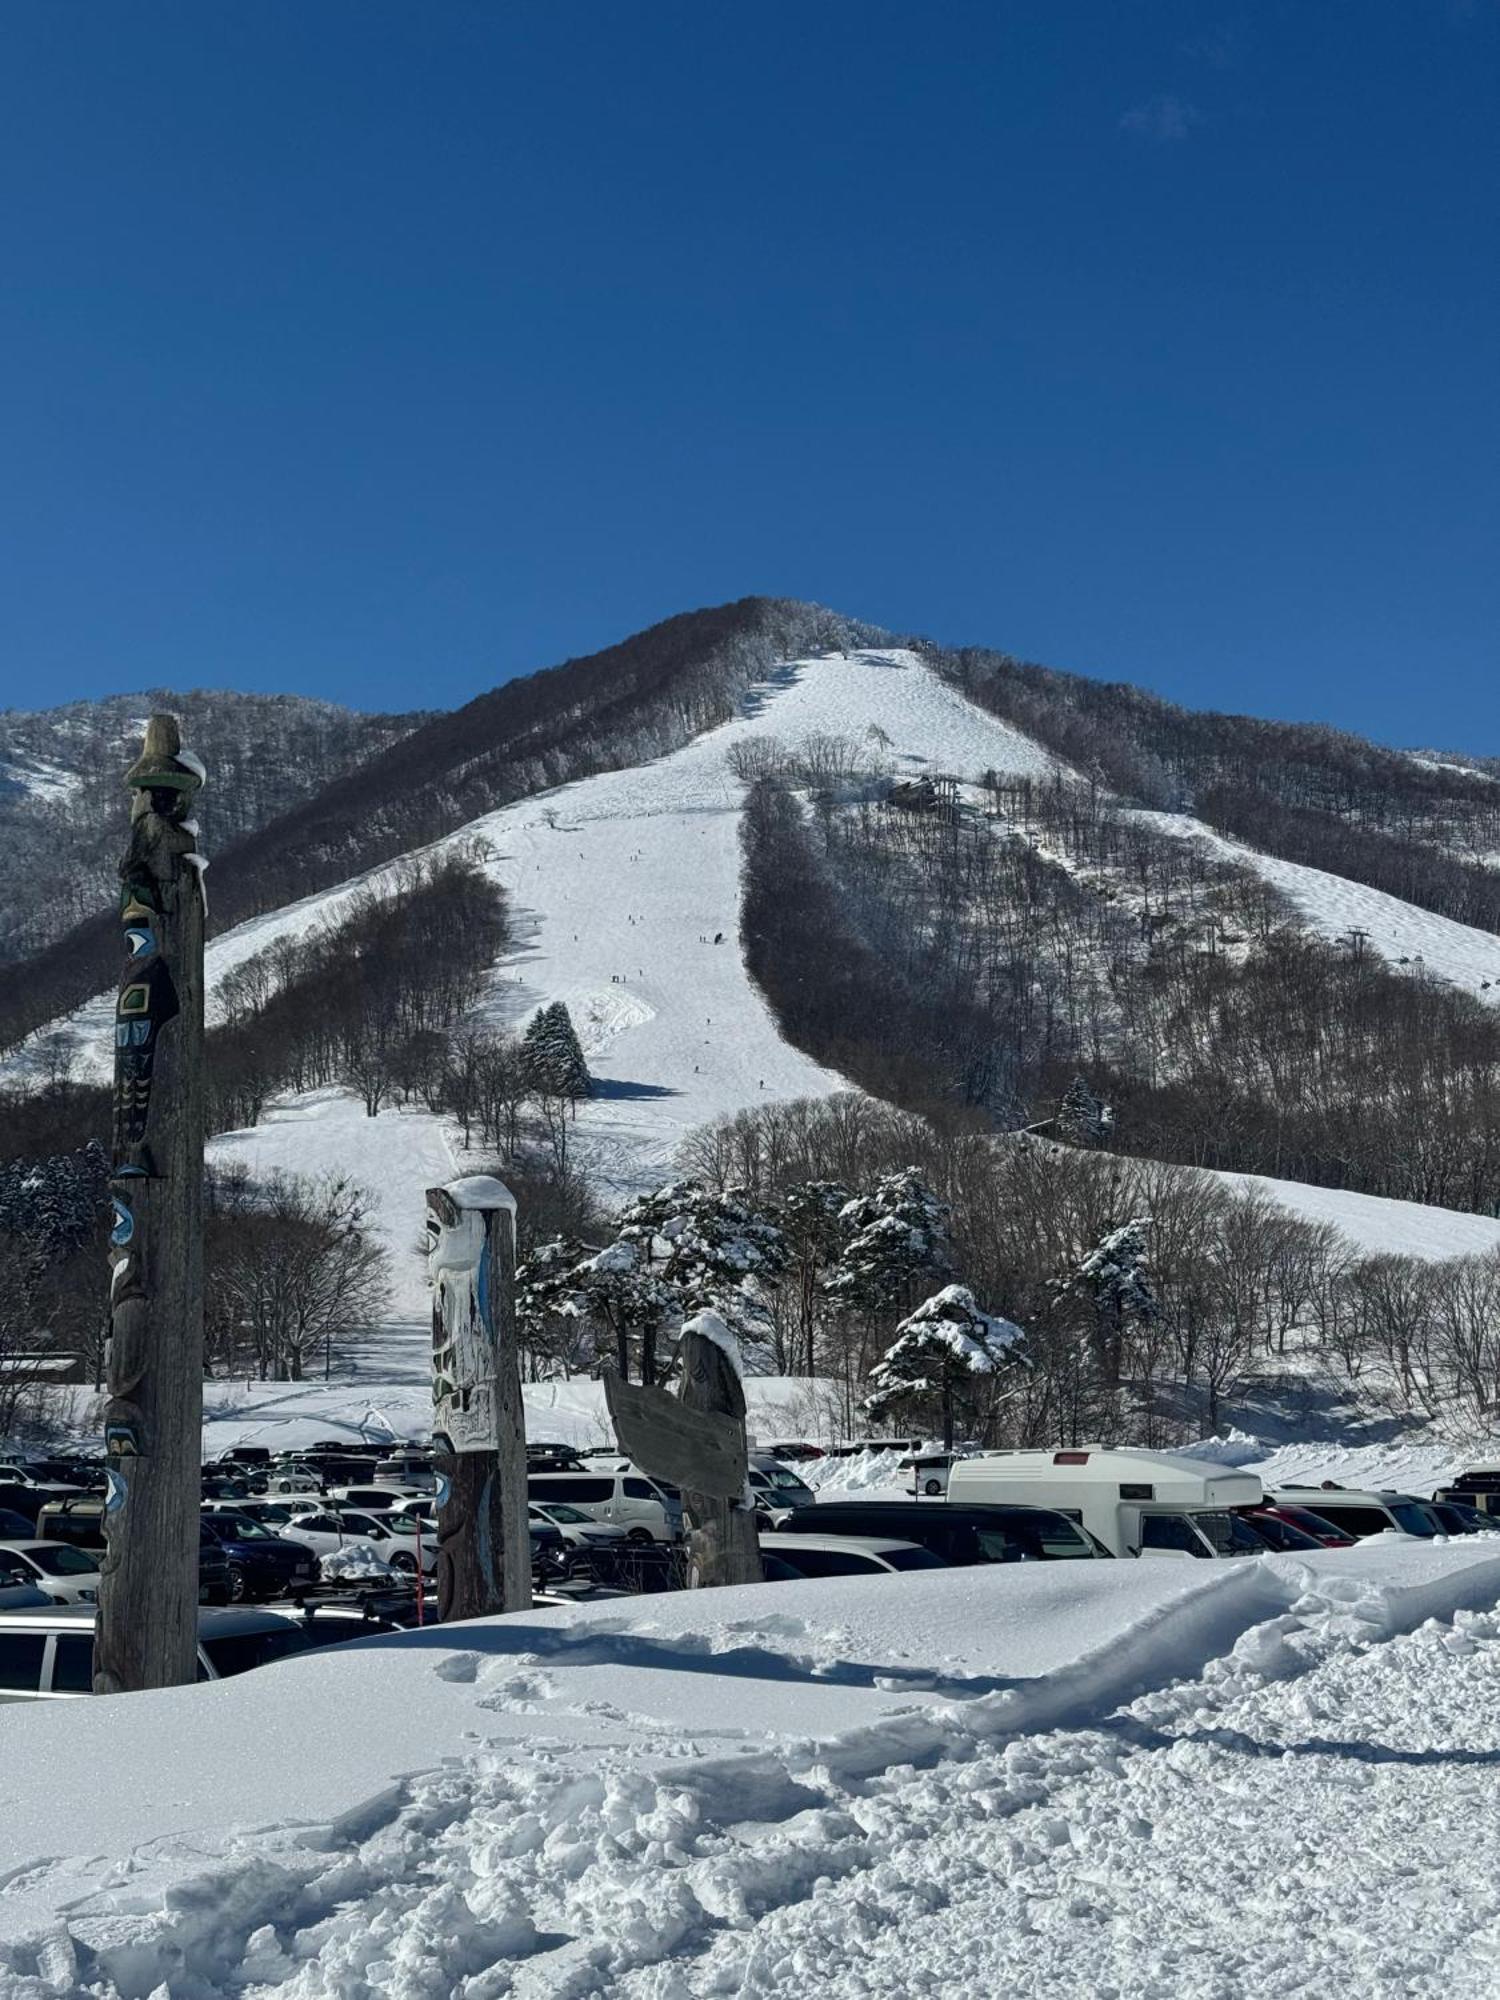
{"type": "Point", "coordinates": [1317, 1497]}
{"type": "Point", "coordinates": [868, 1545]}
{"type": "Point", "coordinates": [34, 1542]}
{"type": "Point", "coordinates": [214, 1621]}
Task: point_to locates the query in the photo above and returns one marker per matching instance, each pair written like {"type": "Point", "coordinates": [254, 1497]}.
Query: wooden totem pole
{"type": "Point", "coordinates": [696, 1441]}
{"type": "Point", "coordinates": [478, 1426]}
{"type": "Point", "coordinates": [148, 1596]}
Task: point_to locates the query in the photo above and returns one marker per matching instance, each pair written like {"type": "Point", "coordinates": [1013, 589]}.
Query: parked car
{"type": "Point", "coordinates": [847, 1555]}
{"type": "Point", "coordinates": [776, 1486]}
{"type": "Point", "coordinates": [23, 1495]}
{"type": "Point", "coordinates": [227, 1485]}
{"type": "Point", "coordinates": [1361, 1514]}
{"type": "Point", "coordinates": [78, 1520]}
{"type": "Point", "coordinates": [325, 1530]}
{"type": "Point", "coordinates": [960, 1535]}
{"type": "Point", "coordinates": [583, 1537]}
{"type": "Point", "coordinates": [48, 1654]}
{"type": "Point", "coordinates": [795, 1451]}
{"type": "Point", "coordinates": [261, 1563]}
{"type": "Point", "coordinates": [292, 1478]}
{"type": "Point", "coordinates": [272, 1514]}
{"type": "Point", "coordinates": [1323, 1533]}
{"type": "Point", "coordinates": [68, 1575]}
{"type": "Point", "coordinates": [647, 1510]}
{"type": "Point", "coordinates": [1138, 1503]}
{"type": "Point", "coordinates": [378, 1498]}
{"type": "Point", "coordinates": [245, 1455]}
{"type": "Point", "coordinates": [1454, 1518]}
{"type": "Point", "coordinates": [14, 1526]}
{"type": "Point", "coordinates": [929, 1472]}
{"type": "Point", "coordinates": [1277, 1533]}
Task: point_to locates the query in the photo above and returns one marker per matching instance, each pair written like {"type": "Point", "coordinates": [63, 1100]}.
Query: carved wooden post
{"type": "Point", "coordinates": [696, 1441]}
{"type": "Point", "coordinates": [478, 1426]}
{"type": "Point", "coordinates": [153, 1427]}
{"type": "Point", "coordinates": [723, 1545]}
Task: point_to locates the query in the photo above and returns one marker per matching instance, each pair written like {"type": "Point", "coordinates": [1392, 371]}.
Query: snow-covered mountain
{"type": "Point", "coordinates": [624, 892]}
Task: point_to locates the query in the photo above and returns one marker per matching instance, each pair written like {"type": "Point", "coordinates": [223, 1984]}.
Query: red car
{"type": "Point", "coordinates": [1293, 1528]}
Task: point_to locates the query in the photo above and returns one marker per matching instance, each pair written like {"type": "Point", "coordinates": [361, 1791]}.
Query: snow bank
{"type": "Point", "coordinates": [552, 1802]}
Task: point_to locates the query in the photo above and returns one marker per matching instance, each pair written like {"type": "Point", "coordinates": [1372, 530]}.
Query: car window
{"type": "Point", "coordinates": [364, 1524]}
{"type": "Point", "coordinates": [1230, 1535]}
{"type": "Point", "coordinates": [912, 1559]}
{"type": "Point", "coordinates": [996, 1546]}
{"type": "Point", "coordinates": [828, 1562]}
{"type": "Point", "coordinates": [640, 1489]}
{"type": "Point", "coordinates": [317, 1524]}
{"type": "Point", "coordinates": [554, 1511]}
{"type": "Point", "coordinates": [239, 1652]}
{"type": "Point", "coordinates": [21, 1660]}
{"type": "Point", "coordinates": [73, 1663]}
{"type": "Point", "coordinates": [1059, 1539]}
{"type": "Point", "coordinates": [1354, 1520]}
{"type": "Point", "coordinates": [1412, 1519]}
{"type": "Point", "coordinates": [64, 1561]}
{"type": "Point", "coordinates": [583, 1491]}
{"type": "Point", "coordinates": [1170, 1531]}
{"type": "Point", "coordinates": [14, 1565]}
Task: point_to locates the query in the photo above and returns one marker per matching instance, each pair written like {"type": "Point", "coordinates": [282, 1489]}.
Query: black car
{"type": "Point", "coordinates": [960, 1535]}
{"type": "Point", "coordinates": [28, 1497]}
{"type": "Point", "coordinates": [260, 1564]}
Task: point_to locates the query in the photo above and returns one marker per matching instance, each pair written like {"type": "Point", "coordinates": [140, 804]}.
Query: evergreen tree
{"type": "Point", "coordinates": [1111, 1282]}
{"type": "Point", "coordinates": [553, 1055]}
{"type": "Point", "coordinates": [715, 1249]}
{"type": "Point", "coordinates": [942, 1352]}
{"type": "Point", "coordinates": [1082, 1118]}
{"type": "Point", "coordinates": [895, 1238]}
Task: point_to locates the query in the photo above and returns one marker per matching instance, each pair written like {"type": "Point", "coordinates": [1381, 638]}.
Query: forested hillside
{"type": "Point", "coordinates": [62, 797]}
{"type": "Point", "coordinates": [622, 706]}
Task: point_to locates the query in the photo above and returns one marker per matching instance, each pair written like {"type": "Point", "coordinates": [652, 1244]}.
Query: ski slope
{"type": "Point", "coordinates": [1376, 1224]}
{"type": "Point", "coordinates": [1401, 933]}
{"type": "Point", "coordinates": [618, 885]}
{"type": "Point", "coordinates": [1269, 1776]}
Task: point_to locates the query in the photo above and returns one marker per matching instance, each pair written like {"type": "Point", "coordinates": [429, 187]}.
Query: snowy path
{"type": "Point", "coordinates": [1400, 932]}
{"type": "Point", "coordinates": [1144, 1779]}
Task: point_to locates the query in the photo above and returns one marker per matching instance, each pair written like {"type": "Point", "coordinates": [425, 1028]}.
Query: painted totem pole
{"type": "Point", "coordinates": [148, 1595]}
{"type": "Point", "coordinates": [484, 1540]}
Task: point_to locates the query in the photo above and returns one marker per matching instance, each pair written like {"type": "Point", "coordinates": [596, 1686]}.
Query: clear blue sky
{"type": "Point", "coordinates": [385, 348]}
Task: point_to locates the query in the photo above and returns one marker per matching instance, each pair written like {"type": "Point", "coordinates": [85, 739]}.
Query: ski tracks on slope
{"type": "Point", "coordinates": [1307, 1810]}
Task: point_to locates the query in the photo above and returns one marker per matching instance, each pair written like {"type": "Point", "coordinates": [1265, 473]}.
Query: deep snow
{"type": "Point", "coordinates": [1268, 1776]}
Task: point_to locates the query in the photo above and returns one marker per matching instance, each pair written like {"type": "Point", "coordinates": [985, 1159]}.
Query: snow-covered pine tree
{"type": "Point", "coordinates": [1113, 1283]}
{"type": "Point", "coordinates": [714, 1247]}
{"type": "Point", "coordinates": [942, 1353]}
{"type": "Point", "coordinates": [618, 1286]}
{"type": "Point", "coordinates": [1082, 1118]}
{"type": "Point", "coordinates": [896, 1238]}
{"type": "Point", "coordinates": [549, 1305]}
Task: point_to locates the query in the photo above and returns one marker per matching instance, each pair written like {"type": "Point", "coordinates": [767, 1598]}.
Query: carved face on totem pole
{"type": "Point", "coordinates": [465, 1408]}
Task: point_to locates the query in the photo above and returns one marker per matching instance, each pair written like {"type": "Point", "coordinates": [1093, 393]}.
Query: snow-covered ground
{"type": "Point", "coordinates": [1333, 906]}
{"type": "Point", "coordinates": [1136, 1778]}
{"type": "Point", "coordinates": [1374, 1223]}
{"type": "Point", "coordinates": [384, 1391]}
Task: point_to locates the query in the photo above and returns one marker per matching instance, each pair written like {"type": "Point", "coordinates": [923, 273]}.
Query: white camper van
{"type": "Point", "coordinates": [1138, 1503]}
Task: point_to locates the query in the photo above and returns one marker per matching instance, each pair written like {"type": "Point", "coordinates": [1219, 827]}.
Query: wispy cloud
{"type": "Point", "coordinates": [1161, 120]}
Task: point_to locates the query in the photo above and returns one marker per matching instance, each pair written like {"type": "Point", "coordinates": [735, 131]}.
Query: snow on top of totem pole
{"type": "Point", "coordinates": [480, 1191]}
{"type": "Point", "coordinates": [712, 1327]}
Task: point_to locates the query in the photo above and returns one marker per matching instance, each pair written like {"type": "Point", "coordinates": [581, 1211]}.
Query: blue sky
{"type": "Point", "coordinates": [382, 350]}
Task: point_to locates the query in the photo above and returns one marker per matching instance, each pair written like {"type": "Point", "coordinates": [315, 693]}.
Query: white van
{"type": "Point", "coordinates": [622, 1496]}
{"type": "Point", "coordinates": [1138, 1503]}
